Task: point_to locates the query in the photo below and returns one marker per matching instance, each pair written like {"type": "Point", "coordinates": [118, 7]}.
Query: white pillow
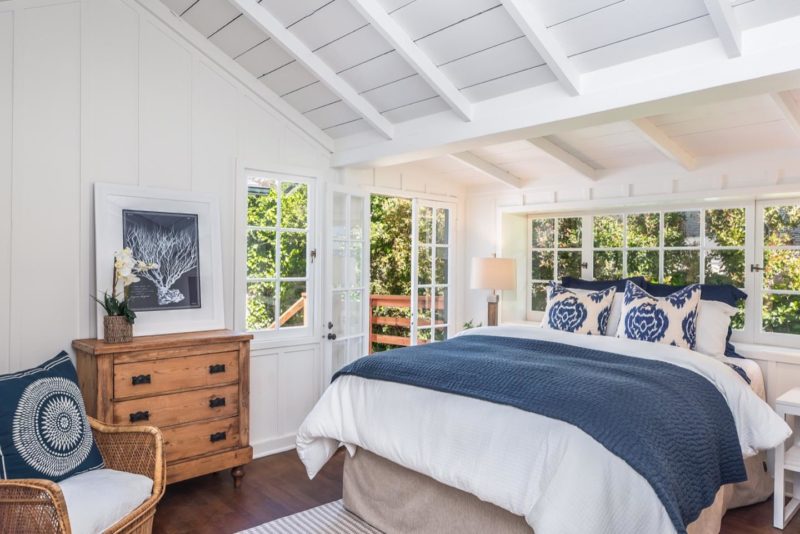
{"type": "Point", "coordinates": [713, 320]}
{"type": "Point", "coordinates": [671, 320]}
{"type": "Point", "coordinates": [570, 311]}
{"type": "Point", "coordinates": [616, 310]}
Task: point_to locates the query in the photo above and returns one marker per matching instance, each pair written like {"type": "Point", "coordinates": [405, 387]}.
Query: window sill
{"type": "Point", "coordinates": [263, 343]}
{"type": "Point", "coordinates": [770, 353]}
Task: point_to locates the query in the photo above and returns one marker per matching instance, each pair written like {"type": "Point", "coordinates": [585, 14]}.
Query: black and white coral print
{"type": "Point", "coordinates": [169, 240]}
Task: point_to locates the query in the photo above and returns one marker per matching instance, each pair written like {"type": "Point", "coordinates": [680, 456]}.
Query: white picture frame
{"type": "Point", "coordinates": [109, 203]}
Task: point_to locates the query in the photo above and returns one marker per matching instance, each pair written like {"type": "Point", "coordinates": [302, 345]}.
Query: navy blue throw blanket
{"type": "Point", "coordinates": [668, 423]}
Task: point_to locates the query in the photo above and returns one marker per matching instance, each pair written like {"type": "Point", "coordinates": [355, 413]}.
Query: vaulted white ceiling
{"type": "Point", "coordinates": [529, 87]}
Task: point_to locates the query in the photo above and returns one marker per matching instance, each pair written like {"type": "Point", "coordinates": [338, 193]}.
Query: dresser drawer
{"type": "Point", "coordinates": [174, 374]}
{"type": "Point", "coordinates": [178, 408]}
{"type": "Point", "coordinates": [200, 438]}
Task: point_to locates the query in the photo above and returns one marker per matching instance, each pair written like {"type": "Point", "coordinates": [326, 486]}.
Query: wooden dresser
{"type": "Point", "coordinates": [194, 387]}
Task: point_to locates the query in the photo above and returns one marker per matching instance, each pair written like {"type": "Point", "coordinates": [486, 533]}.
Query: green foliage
{"type": "Point", "coordinates": [781, 313]}
{"type": "Point", "coordinates": [115, 307]}
{"type": "Point", "coordinates": [471, 324]}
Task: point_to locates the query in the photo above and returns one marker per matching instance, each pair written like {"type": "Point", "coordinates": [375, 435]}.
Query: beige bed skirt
{"type": "Point", "coordinates": [396, 500]}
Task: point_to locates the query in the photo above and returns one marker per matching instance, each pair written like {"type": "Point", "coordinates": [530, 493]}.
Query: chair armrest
{"type": "Point", "coordinates": [32, 505]}
{"type": "Point", "coordinates": [134, 449]}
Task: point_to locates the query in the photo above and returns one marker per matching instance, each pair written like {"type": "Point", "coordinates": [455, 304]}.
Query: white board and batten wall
{"type": "Point", "coordinates": [108, 91]}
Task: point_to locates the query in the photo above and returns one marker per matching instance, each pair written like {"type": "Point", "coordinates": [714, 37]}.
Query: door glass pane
{"type": "Point", "coordinates": [339, 354]}
{"type": "Point", "coordinates": [339, 230]}
{"type": "Point", "coordinates": [262, 202]}
{"type": "Point", "coordinates": [569, 264]}
{"type": "Point", "coordinates": [424, 335]}
{"type": "Point", "coordinates": [782, 269]}
{"type": "Point", "coordinates": [643, 263]}
{"type": "Point", "coordinates": [440, 313]}
{"type": "Point", "coordinates": [542, 233]}
{"type": "Point", "coordinates": [356, 249]}
{"type": "Point", "coordinates": [293, 254]}
{"type": "Point", "coordinates": [293, 304]}
{"type": "Point", "coordinates": [725, 267]}
{"type": "Point", "coordinates": [424, 265]}
{"type": "Point", "coordinates": [538, 296]}
{"type": "Point", "coordinates": [780, 314]}
{"type": "Point", "coordinates": [681, 267]}
{"type": "Point", "coordinates": [339, 312]}
{"type": "Point", "coordinates": [643, 230]}
{"type": "Point", "coordinates": [441, 265]}
{"type": "Point", "coordinates": [425, 224]}
{"type": "Point", "coordinates": [356, 348]}
{"type": "Point", "coordinates": [542, 266]}
{"type": "Point", "coordinates": [607, 264]}
{"type": "Point", "coordinates": [356, 218]}
{"type": "Point", "coordinates": [440, 334]}
{"type": "Point", "coordinates": [356, 315]}
{"type": "Point", "coordinates": [260, 305]}
{"type": "Point", "coordinates": [781, 226]}
{"type": "Point", "coordinates": [608, 231]}
{"type": "Point", "coordinates": [725, 227]}
{"type": "Point", "coordinates": [569, 232]}
{"type": "Point", "coordinates": [260, 254]}
{"type": "Point", "coordinates": [338, 269]}
{"type": "Point", "coordinates": [294, 205]}
{"type": "Point", "coordinates": [442, 226]}
{"type": "Point", "coordinates": [424, 307]}
{"type": "Point", "coordinates": [682, 229]}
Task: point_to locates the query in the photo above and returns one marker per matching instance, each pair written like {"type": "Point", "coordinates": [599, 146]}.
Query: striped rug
{"type": "Point", "coordinates": [329, 518]}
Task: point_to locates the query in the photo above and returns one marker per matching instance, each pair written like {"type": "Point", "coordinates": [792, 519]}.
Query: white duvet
{"type": "Point", "coordinates": [556, 476]}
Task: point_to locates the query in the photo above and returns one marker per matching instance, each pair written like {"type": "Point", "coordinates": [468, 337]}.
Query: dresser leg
{"type": "Point", "coordinates": [238, 474]}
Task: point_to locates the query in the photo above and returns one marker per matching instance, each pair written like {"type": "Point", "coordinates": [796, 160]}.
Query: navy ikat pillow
{"type": "Point", "coordinates": [580, 313]}
{"type": "Point", "coordinates": [671, 320]}
{"type": "Point", "coordinates": [44, 431]}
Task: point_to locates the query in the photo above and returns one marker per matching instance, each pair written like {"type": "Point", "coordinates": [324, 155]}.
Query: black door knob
{"type": "Point", "coordinates": [331, 336]}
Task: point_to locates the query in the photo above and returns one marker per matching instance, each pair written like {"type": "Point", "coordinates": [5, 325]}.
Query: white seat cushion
{"type": "Point", "coordinates": [98, 499]}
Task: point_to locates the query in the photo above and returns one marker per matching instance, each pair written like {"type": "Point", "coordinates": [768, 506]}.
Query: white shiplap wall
{"type": "Point", "coordinates": [105, 91]}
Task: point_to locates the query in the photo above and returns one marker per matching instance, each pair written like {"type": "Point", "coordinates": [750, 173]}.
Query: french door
{"type": "Point", "coordinates": [347, 277]}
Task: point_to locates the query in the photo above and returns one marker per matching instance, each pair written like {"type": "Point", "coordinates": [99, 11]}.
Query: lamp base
{"type": "Point", "coordinates": [491, 311]}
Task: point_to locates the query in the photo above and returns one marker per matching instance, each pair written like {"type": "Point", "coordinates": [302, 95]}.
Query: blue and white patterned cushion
{"type": "Point", "coordinates": [671, 320]}
{"type": "Point", "coordinates": [581, 313]}
{"type": "Point", "coordinates": [44, 431]}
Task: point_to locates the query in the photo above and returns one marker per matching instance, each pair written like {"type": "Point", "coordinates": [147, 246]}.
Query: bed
{"type": "Point", "coordinates": [422, 459]}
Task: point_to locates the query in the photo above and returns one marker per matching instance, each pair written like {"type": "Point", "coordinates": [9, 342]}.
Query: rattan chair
{"type": "Point", "coordinates": [37, 506]}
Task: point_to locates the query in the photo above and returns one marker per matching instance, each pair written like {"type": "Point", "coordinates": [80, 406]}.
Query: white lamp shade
{"type": "Point", "coordinates": [493, 273]}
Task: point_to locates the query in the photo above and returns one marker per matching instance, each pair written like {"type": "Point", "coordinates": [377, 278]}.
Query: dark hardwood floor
{"type": "Point", "coordinates": [277, 485]}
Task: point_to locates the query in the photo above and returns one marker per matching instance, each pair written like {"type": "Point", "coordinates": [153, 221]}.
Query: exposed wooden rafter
{"type": "Point", "coordinates": [790, 109]}
{"type": "Point", "coordinates": [295, 48]}
{"type": "Point", "coordinates": [488, 169]}
{"type": "Point", "coordinates": [664, 143]}
{"type": "Point", "coordinates": [524, 14]}
{"type": "Point", "coordinates": [728, 30]}
{"type": "Point", "coordinates": [555, 151]}
{"type": "Point", "coordinates": [384, 24]}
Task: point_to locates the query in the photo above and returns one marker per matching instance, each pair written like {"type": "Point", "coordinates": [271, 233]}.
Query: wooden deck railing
{"type": "Point", "coordinates": [294, 309]}
{"type": "Point", "coordinates": [401, 302]}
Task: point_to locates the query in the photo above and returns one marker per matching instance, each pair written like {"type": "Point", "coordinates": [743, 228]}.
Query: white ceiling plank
{"type": "Point", "coordinates": [724, 19]}
{"type": "Point", "coordinates": [484, 167]}
{"type": "Point", "coordinates": [555, 151]}
{"type": "Point", "coordinates": [545, 44]}
{"type": "Point", "coordinates": [790, 109]}
{"type": "Point", "coordinates": [665, 144]}
{"type": "Point", "coordinates": [262, 18]}
{"type": "Point", "coordinates": [408, 49]}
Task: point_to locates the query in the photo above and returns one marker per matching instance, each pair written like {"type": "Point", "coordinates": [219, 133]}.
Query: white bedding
{"type": "Point", "coordinates": [556, 476]}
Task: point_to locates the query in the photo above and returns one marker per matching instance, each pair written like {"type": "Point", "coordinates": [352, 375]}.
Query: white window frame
{"type": "Point", "coordinates": [312, 259]}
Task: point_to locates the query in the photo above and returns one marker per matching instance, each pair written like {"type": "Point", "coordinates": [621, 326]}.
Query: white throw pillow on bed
{"type": "Point", "coordinates": [671, 320]}
{"type": "Point", "coordinates": [613, 317]}
{"type": "Point", "coordinates": [580, 313]}
{"type": "Point", "coordinates": [713, 320]}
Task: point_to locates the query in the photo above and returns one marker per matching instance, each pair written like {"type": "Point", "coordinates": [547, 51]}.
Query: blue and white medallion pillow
{"type": "Point", "coordinates": [580, 313]}
{"type": "Point", "coordinates": [671, 320]}
{"type": "Point", "coordinates": [44, 431]}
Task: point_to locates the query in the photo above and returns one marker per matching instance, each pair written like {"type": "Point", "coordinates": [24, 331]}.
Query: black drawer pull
{"type": "Point", "coordinates": [140, 379]}
{"type": "Point", "coordinates": [216, 402]}
{"type": "Point", "coordinates": [140, 416]}
{"type": "Point", "coordinates": [218, 436]}
{"type": "Point", "coordinates": [216, 368]}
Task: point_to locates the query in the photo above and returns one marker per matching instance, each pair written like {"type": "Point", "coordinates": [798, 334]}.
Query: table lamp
{"type": "Point", "coordinates": [495, 274]}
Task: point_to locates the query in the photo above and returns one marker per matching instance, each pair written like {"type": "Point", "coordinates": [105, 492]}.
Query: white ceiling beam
{"type": "Point", "coordinates": [487, 169]}
{"type": "Point", "coordinates": [664, 143]}
{"type": "Point", "coordinates": [384, 24]}
{"type": "Point", "coordinates": [555, 151]}
{"type": "Point", "coordinates": [524, 14]}
{"type": "Point", "coordinates": [790, 109]}
{"type": "Point", "coordinates": [728, 30]}
{"type": "Point", "coordinates": [262, 18]}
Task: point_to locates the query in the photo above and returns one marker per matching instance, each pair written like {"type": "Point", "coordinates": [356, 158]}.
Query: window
{"type": "Point", "coordinates": [278, 256]}
{"type": "Point", "coordinates": [556, 252]}
{"type": "Point", "coordinates": [780, 278]}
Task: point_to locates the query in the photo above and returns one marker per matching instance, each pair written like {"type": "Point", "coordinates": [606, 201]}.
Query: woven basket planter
{"type": "Point", "coordinates": [117, 329]}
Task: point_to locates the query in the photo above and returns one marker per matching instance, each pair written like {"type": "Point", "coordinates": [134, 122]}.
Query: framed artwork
{"type": "Point", "coordinates": [179, 231]}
